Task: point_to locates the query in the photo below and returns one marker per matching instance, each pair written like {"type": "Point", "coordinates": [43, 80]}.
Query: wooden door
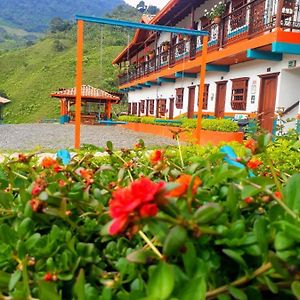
{"type": "Point", "coordinates": [147, 108]}
{"type": "Point", "coordinates": [220, 99]}
{"type": "Point", "coordinates": [267, 100]}
{"type": "Point", "coordinates": [171, 108]}
{"type": "Point", "coordinates": [157, 108]}
{"type": "Point", "coordinates": [191, 103]}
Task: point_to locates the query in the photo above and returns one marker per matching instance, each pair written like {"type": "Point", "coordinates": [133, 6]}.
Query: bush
{"type": "Point", "coordinates": [138, 224]}
{"type": "Point", "coordinates": [226, 125]}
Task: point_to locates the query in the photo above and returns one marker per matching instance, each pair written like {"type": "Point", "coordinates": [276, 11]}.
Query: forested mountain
{"type": "Point", "coordinates": [30, 74]}
{"type": "Point", "coordinates": [34, 15]}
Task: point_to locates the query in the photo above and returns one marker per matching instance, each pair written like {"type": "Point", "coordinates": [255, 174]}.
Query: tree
{"type": "Point", "coordinates": [59, 25]}
{"type": "Point", "coordinates": [141, 7]}
{"type": "Point", "coordinates": [152, 10]}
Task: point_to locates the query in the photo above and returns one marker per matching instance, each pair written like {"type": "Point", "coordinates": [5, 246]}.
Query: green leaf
{"type": "Point", "coordinates": [195, 289]}
{"type": "Point", "coordinates": [232, 201]}
{"type": "Point", "coordinates": [109, 145]}
{"type": "Point", "coordinates": [174, 240]}
{"type": "Point", "coordinates": [292, 193]}
{"type": "Point", "coordinates": [79, 286]}
{"type": "Point", "coordinates": [15, 277]}
{"type": "Point", "coordinates": [282, 242]}
{"type": "Point", "coordinates": [161, 282]}
{"type": "Point", "coordinates": [189, 257]}
{"type": "Point", "coordinates": [237, 293]}
{"type": "Point", "coordinates": [207, 213]}
{"type": "Point", "coordinates": [26, 227]}
{"type": "Point", "coordinates": [296, 289]}
{"type": "Point", "coordinates": [47, 291]}
{"type": "Point", "coordinates": [236, 257]}
{"type": "Point", "coordinates": [260, 231]}
{"type": "Point", "coordinates": [292, 231]}
{"type": "Point", "coordinates": [271, 285]}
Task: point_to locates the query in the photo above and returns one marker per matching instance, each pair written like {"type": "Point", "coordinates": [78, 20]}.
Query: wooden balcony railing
{"type": "Point", "coordinates": [245, 22]}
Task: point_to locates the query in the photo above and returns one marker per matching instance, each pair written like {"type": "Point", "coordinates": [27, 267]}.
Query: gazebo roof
{"type": "Point", "coordinates": [87, 92]}
{"type": "Point", "coordinates": [4, 100]}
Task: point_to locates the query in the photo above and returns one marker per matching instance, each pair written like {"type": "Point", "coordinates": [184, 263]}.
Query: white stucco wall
{"type": "Point", "coordinates": [287, 88]}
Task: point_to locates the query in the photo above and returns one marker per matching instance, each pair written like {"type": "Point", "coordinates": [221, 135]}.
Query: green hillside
{"type": "Point", "coordinates": [34, 15]}
{"type": "Point", "coordinates": [29, 75]}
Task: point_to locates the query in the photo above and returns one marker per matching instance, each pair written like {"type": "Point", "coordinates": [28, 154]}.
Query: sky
{"type": "Point", "coordinates": [158, 3]}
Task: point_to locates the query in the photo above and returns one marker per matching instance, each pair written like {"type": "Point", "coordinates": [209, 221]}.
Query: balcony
{"type": "Point", "coordinates": [249, 20]}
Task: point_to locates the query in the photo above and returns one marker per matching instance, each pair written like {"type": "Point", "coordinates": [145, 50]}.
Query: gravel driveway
{"type": "Point", "coordinates": [56, 136]}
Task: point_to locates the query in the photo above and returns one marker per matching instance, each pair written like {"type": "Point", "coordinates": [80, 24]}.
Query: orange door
{"type": "Point", "coordinates": [220, 99]}
{"type": "Point", "coordinates": [267, 99]}
{"type": "Point", "coordinates": [191, 103]}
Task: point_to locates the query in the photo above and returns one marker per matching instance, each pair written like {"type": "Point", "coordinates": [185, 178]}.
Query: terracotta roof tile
{"type": "Point", "coordinates": [87, 91]}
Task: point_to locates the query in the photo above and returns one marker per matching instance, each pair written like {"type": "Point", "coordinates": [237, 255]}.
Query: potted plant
{"type": "Point", "coordinates": [215, 12]}
{"type": "Point", "coordinates": [150, 54]}
{"type": "Point", "coordinates": [165, 46]}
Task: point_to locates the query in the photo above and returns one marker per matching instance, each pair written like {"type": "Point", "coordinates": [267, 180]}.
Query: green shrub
{"type": "Point", "coordinates": [132, 119]}
{"type": "Point", "coordinates": [147, 120]}
{"type": "Point", "coordinates": [220, 233]}
{"type": "Point", "coordinates": [220, 125]}
{"type": "Point", "coordinates": [207, 124]}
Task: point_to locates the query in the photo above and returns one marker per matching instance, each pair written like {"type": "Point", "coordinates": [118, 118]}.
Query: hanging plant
{"type": "Point", "coordinates": [215, 12]}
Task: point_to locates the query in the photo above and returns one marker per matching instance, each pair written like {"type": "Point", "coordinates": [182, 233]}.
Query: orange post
{"type": "Point", "coordinates": [201, 88]}
{"type": "Point", "coordinates": [108, 109]}
{"type": "Point", "coordinates": [80, 27]}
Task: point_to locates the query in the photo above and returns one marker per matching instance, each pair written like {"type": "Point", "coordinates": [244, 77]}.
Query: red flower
{"type": "Point", "coordinates": [278, 195]}
{"type": "Point", "coordinates": [249, 200]}
{"type": "Point", "coordinates": [251, 144]}
{"type": "Point", "coordinates": [48, 276]}
{"type": "Point", "coordinates": [148, 210]}
{"type": "Point", "coordinates": [253, 163]}
{"type": "Point", "coordinates": [36, 190]}
{"type": "Point", "coordinates": [48, 162]}
{"type": "Point", "coordinates": [184, 182]}
{"type": "Point", "coordinates": [156, 157]}
{"type": "Point", "coordinates": [128, 205]}
{"type": "Point", "coordinates": [57, 168]}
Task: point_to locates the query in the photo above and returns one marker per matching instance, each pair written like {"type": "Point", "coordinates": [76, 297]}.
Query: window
{"type": "Point", "coordinates": [134, 108]}
{"type": "Point", "coordinates": [162, 106]}
{"type": "Point", "coordinates": [129, 108]}
{"type": "Point", "coordinates": [205, 95]}
{"type": "Point", "coordinates": [142, 106]}
{"type": "Point", "coordinates": [179, 98]}
{"type": "Point", "coordinates": [239, 93]}
{"type": "Point", "coordinates": [151, 107]}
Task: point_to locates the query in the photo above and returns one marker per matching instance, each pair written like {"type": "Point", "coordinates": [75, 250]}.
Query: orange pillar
{"type": "Point", "coordinates": [80, 26]}
{"type": "Point", "coordinates": [201, 88]}
{"type": "Point", "coordinates": [108, 109]}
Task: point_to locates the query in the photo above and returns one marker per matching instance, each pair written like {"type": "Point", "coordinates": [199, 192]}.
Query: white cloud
{"type": "Point", "coordinates": [158, 3]}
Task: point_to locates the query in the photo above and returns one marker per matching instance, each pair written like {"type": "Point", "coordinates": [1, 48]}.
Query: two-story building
{"type": "Point", "coordinates": [253, 62]}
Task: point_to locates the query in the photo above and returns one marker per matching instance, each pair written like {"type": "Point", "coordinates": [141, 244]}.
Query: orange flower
{"type": "Point", "coordinates": [156, 157]}
{"type": "Point", "coordinates": [251, 144]}
{"type": "Point", "coordinates": [184, 182]}
{"type": "Point", "coordinates": [253, 163]}
{"type": "Point", "coordinates": [48, 162]}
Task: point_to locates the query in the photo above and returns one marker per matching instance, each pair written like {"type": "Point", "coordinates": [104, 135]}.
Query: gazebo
{"type": "Point", "coordinates": [3, 101]}
{"type": "Point", "coordinates": [93, 100]}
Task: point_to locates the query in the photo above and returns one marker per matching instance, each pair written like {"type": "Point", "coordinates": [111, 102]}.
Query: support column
{"type": "Point", "coordinates": [80, 27]}
{"type": "Point", "coordinates": [201, 88]}
{"type": "Point", "coordinates": [279, 13]}
{"type": "Point", "coordinates": [108, 109]}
